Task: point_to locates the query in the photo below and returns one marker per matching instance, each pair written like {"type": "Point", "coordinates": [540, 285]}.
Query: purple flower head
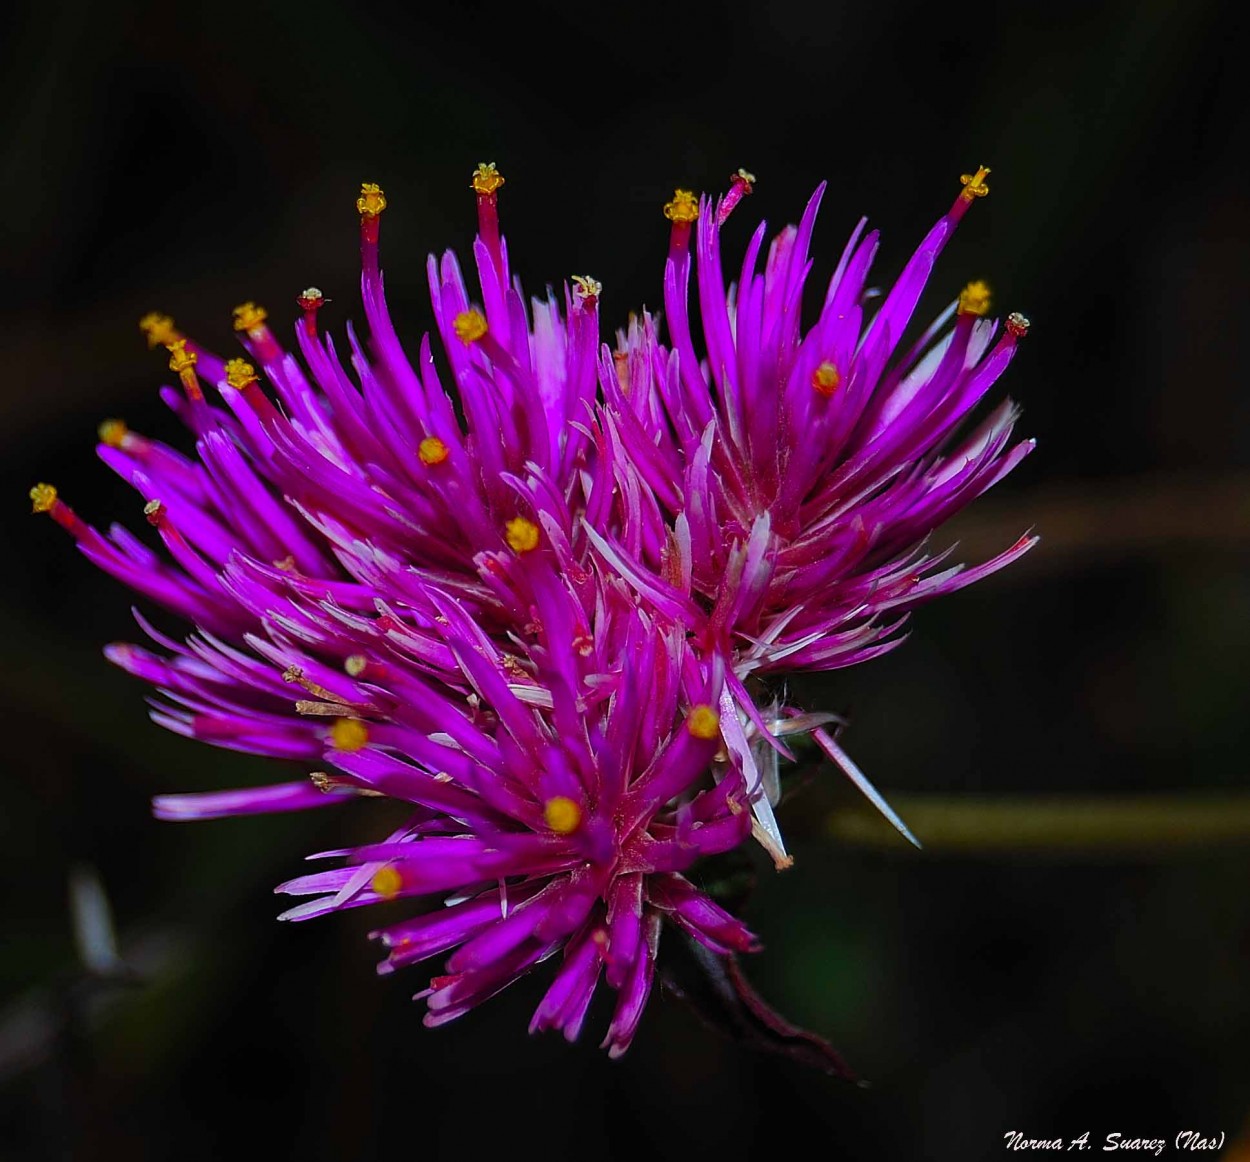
{"type": "Point", "coordinates": [525, 595]}
{"type": "Point", "coordinates": [776, 496]}
{"type": "Point", "coordinates": [557, 797]}
{"type": "Point", "coordinates": [792, 476]}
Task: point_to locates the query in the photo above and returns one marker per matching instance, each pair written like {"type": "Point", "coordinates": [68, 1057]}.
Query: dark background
{"type": "Point", "coordinates": [188, 157]}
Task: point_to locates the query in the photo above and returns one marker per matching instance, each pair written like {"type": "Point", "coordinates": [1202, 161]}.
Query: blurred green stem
{"type": "Point", "coordinates": [1069, 824]}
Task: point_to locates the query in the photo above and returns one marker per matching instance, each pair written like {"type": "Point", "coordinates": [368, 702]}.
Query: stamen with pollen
{"type": "Point", "coordinates": [974, 299]}
{"type": "Point", "coordinates": [310, 302]}
{"type": "Point", "coordinates": [44, 498]}
{"type": "Point", "coordinates": [703, 722]}
{"type": "Point", "coordinates": [113, 433]}
{"type": "Point", "coordinates": [973, 187]}
{"type": "Point", "coordinates": [741, 184]}
{"type": "Point", "coordinates": [469, 326]}
{"type": "Point", "coordinates": [182, 362]}
{"type": "Point", "coordinates": [521, 534]}
{"type": "Point", "coordinates": [825, 378]}
{"type": "Point", "coordinates": [249, 320]}
{"type": "Point", "coordinates": [159, 329]}
{"type": "Point", "coordinates": [562, 815]}
{"type": "Point", "coordinates": [369, 206]}
{"type": "Point", "coordinates": [349, 734]}
{"type": "Point", "coordinates": [241, 376]}
{"type": "Point", "coordinates": [195, 565]}
{"type": "Point", "coordinates": [1017, 325]}
{"type": "Point", "coordinates": [683, 211]}
{"type": "Point", "coordinates": [337, 784]}
{"type": "Point", "coordinates": [387, 882]}
{"type": "Point", "coordinates": [486, 182]}
{"type": "Point", "coordinates": [432, 451]}
{"type": "Point", "coordinates": [586, 290]}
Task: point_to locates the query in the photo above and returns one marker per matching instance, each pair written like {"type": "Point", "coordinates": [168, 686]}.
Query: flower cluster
{"type": "Point", "coordinates": [528, 583]}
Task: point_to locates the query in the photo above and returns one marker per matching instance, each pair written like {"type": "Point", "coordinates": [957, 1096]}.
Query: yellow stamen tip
{"type": "Point", "coordinates": [486, 178]}
{"type": "Point", "coordinates": [683, 208]}
{"type": "Point", "coordinates": [42, 498]}
{"type": "Point", "coordinates": [743, 176]}
{"type": "Point", "coordinates": [974, 299]}
{"type": "Point", "coordinates": [825, 378]}
{"type": "Point", "coordinates": [563, 815]}
{"type": "Point", "coordinates": [387, 882]}
{"type": "Point", "coordinates": [372, 200]}
{"type": "Point", "coordinates": [180, 359]}
{"type": "Point", "coordinates": [248, 316]}
{"type": "Point", "coordinates": [113, 433]}
{"type": "Point", "coordinates": [355, 664]}
{"type": "Point", "coordinates": [585, 287]}
{"type": "Point", "coordinates": [469, 326]}
{"type": "Point", "coordinates": [703, 722]}
{"type": "Point", "coordinates": [432, 451]}
{"type": "Point", "coordinates": [521, 534]}
{"type": "Point", "coordinates": [349, 734]}
{"type": "Point", "coordinates": [239, 373]}
{"type": "Point", "coordinates": [158, 328]}
{"type": "Point", "coordinates": [974, 183]}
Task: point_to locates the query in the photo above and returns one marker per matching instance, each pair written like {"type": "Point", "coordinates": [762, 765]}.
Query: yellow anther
{"type": "Point", "coordinates": [180, 359]}
{"type": "Point", "coordinates": [239, 373]}
{"type": "Point", "coordinates": [563, 815]}
{"type": "Point", "coordinates": [703, 722]}
{"type": "Point", "coordinates": [432, 451]}
{"type": "Point", "coordinates": [158, 328]}
{"type": "Point", "coordinates": [586, 287]}
{"type": "Point", "coordinates": [825, 378]}
{"type": "Point", "coordinates": [974, 183]}
{"type": "Point", "coordinates": [974, 299]}
{"type": "Point", "coordinates": [112, 432]}
{"type": "Point", "coordinates": [248, 316]}
{"type": "Point", "coordinates": [154, 512]}
{"type": "Point", "coordinates": [469, 326]}
{"type": "Point", "coordinates": [349, 734]}
{"type": "Point", "coordinates": [683, 208]}
{"type": "Point", "coordinates": [521, 534]}
{"type": "Point", "coordinates": [42, 498]}
{"type": "Point", "coordinates": [486, 178]}
{"type": "Point", "coordinates": [372, 200]}
{"type": "Point", "coordinates": [310, 299]}
{"type": "Point", "coordinates": [743, 176]}
{"type": "Point", "coordinates": [387, 882]}
{"type": "Point", "coordinates": [355, 664]}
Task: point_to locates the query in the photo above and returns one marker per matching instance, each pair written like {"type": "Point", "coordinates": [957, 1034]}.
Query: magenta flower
{"type": "Point", "coordinates": [777, 495]}
{"type": "Point", "coordinates": [559, 820]}
{"type": "Point", "coordinates": [526, 596]}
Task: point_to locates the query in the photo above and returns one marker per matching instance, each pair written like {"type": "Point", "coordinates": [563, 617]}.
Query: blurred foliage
{"type": "Point", "coordinates": [189, 157]}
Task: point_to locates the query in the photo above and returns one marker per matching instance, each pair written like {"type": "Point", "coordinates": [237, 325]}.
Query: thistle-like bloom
{"type": "Point", "coordinates": [778, 494]}
{"type": "Point", "coordinates": [558, 820]}
{"type": "Point", "coordinates": [527, 603]}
